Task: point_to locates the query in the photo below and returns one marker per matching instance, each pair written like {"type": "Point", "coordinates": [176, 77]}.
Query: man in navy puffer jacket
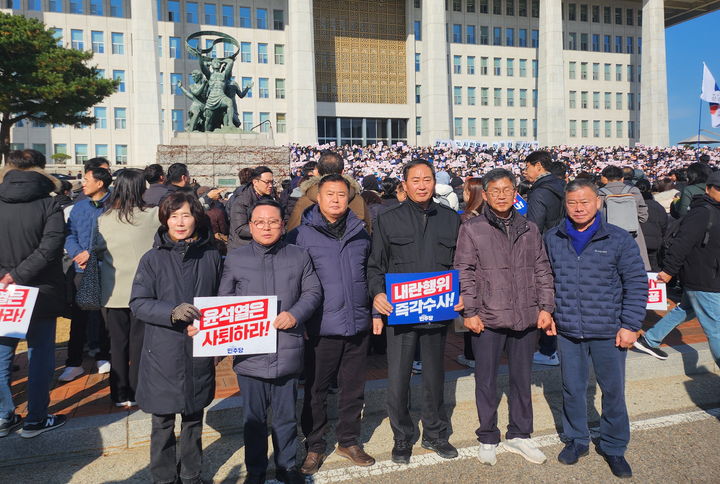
{"type": "Point", "coordinates": [600, 297]}
{"type": "Point", "coordinates": [339, 246]}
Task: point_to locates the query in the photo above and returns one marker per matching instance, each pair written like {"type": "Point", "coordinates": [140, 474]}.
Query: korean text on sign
{"type": "Point", "coordinates": [235, 326]}
{"type": "Point", "coordinates": [16, 308]}
{"type": "Point", "coordinates": [657, 293]}
{"type": "Point", "coordinates": [422, 297]}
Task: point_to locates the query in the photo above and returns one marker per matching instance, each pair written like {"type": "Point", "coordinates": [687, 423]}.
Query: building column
{"type": "Point", "coordinates": [302, 116]}
{"type": "Point", "coordinates": [551, 115]}
{"type": "Point", "coordinates": [145, 90]}
{"type": "Point", "coordinates": [435, 90]}
{"type": "Point", "coordinates": [654, 128]}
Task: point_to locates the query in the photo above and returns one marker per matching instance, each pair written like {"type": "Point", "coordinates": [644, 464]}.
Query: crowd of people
{"type": "Point", "coordinates": [126, 258]}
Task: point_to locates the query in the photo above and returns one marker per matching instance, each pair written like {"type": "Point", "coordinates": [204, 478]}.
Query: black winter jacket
{"type": "Point", "coordinates": [32, 235]}
{"type": "Point", "coordinates": [545, 202]}
{"type": "Point", "coordinates": [171, 273]}
{"type": "Point", "coordinates": [240, 208]}
{"type": "Point", "coordinates": [698, 266]}
{"type": "Point", "coordinates": [656, 225]}
{"type": "Point", "coordinates": [409, 239]}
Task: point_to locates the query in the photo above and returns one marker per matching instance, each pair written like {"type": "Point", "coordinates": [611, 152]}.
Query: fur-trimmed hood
{"type": "Point", "coordinates": [310, 187]}
{"type": "Point", "coordinates": [18, 185]}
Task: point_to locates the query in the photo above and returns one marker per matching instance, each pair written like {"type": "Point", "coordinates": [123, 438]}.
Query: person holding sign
{"type": "Point", "coordinates": [271, 266]}
{"type": "Point", "coordinates": [32, 234]}
{"type": "Point", "coordinates": [183, 264]}
{"type": "Point", "coordinates": [339, 246]}
{"type": "Point", "coordinates": [418, 235]}
{"type": "Point", "coordinates": [601, 289]}
{"type": "Point", "coordinates": [506, 280]}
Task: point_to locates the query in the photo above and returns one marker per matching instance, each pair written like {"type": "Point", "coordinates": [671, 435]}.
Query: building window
{"type": "Point", "coordinates": [470, 6]}
{"type": "Point", "coordinates": [572, 41]}
{"type": "Point", "coordinates": [484, 94]}
{"type": "Point", "coordinates": [245, 18]}
{"type": "Point", "coordinates": [583, 71]}
{"type": "Point", "coordinates": [472, 127]}
{"type": "Point", "coordinates": [228, 49]}
{"type": "Point", "coordinates": [418, 126]}
{"type": "Point", "coordinates": [631, 101]}
{"type": "Point", "coordinates": [175, 81]}
{"type": "Point", "coordinates": [484, 6]}
{"type": "Point", "coordinates": [522, 38]}
{"type": "Point", "coordinates": [175, 51]}
{"type": "Point", "coordinates": [511, 127]}
{"type": "Point", "coordinates": [116, 8]}
{"type": "Point", "coordinates": [278, 20]}
{"type": "Point", "coordinates": [160, 83]}
{"type": "Point", "coordinates": [264, 122]}
{"type": "Point", "coordinates": [534, 67]}
{"type": "Point", "coordinates": [245, 52]}
{"type": "Point", "coordinates": [210, 48]}
{"type": "Point", "coordinates": [485, 127]}
{"type": "Point", "coordinates": [483, 66]}
{"type": "Point", "coordinates": [596, 14]}
{"type": "Point", "coordinates": [608, 100]}
{"type": "Point", "coordinates": [245, 83]}
{"type": "Point", "coordinates": [120, 118]}
{"type": "Point", "coordinates": [280, 123]}
{"type": "Point", "coordinates": [596, 100]}
{"type": "Point", "coordinates": [121, 154]}
{"type": "Point", "coordinates": [457, 95]}
{"type": "Point", "coordinates": [510, 8]}
{"type": "Point", "coordinates": [76, 39]}
{"type": "Point", "coordinates": [618, 100]}
{"type": "Point", "coordinates": [176, 117]}
{"type": "Point", "coordinates": [607, 15]}
{"type": "Point", "coordinates": [98, 42]}
{"type": "Point", "coordinates": [471, 96]}
{"type": "Point", "coordinates": [606, 69]}
{"type": "Point", "coordinates": [496, 67]}
{"type": "Point", "coordinates": [523, 98]}
{"type": "Point", "coordinates": [470, 34]}
{"type": "Point", "coordinates": [497, 122]}
{"type": "Point", "coordinates": [618, 16]}
{"type": "Point", "coordinates": [261, 18]}
{"type": "Point", "coordinates": [631, 129]}
{"type": "Point", "coordinates": [630, 49]}
{"type": "Point", "coordinates": [417, 62]}
{"type": "Point", "coordinates": [573, 128]}
{"type": "Point", "coordinates": [118, 43]}
{"type": "Point", "coordinates": [630, 74]}
{"type": "Point", "coordinates": [417, 30]}
{"type": "Point", "coordinates": [596, 71]}
{"type": "Point", "coordinates": [81, 153]}
{"type": "Point", "coordinates": [497, 36]}
{"type": "Point", "coordinates": [76, 6]}
{"type": "Point", "coordinates": [457, 64]}
{"type": "Point", "coordinates": [263, 88]}
{"type": "Point", "coordinates": [584, 128]}
{"type": "Point", "coordinates": [618, 129]}
{"type": "Point", "coordinates": [262, 53]}
{"type": "Point", "coordinates": [57, 6]}
{"type": "Point", "coordinates": [497, 7]}
{"type": "Point", "coordinates": [457, 33]}
{"type": "Point", "coordinates": [210, 14]}
{"type": "Point", "coordinates": [100, 117]}
{"type": "Point", "coordinates": [583, 99]}
{"type": "Point", "coordinates": [510, 37]}
{"type": "Point", "coordinates": [173, 7]}
{"type": "Point", "coordinates": [228, 16]}
{"type": "Point", "coordinates": [484, 35]}
{"type": "Point", "coordinates": [608, 129]}
{"type": "Point", "coordinates": [458, 126]}
{"type": "Point", "coordinates": [191, 12]}
{"type": "Point", "coordinates": [510, 98]}
{"type": "Point", "coordinates": [523, 128]}
{"type": "Point", "coordinates": [279, 54]}
{"type": "Point", "coordinates": [618, 72]}
{"type": "Point", "coordinates": [523, 67]}
{"type": "Point", "coordinates": [571, 70]}
{"type": "Point", "coordinates": [534, 39]}
{"type": "Point", "coordinates": [457, 5]}
{"type": "Point", "coordinates": [280, 88]}
{"type": "Point", "coordinates": [522, 8]}
{"type": "Point", "coordinates": [417, 94]}
{"type": "Point", "coordinates": [510, 69]}
{"type": "Point", "coordinates": [629, 16]}
{"type": "Point", "coordinates": [607, 43]}
{"type": "Point", "coordinates": [60, 148]}
{"type": "Point", "coordinates": [497, 97]}
{"type": "Point", "coordinates": [584, 42]}
{"type": "Point", "coordinates": [471, 64]}
{"type": "Point", "coordinates": [572, 99]}
{"type": "Point", "coordinates": [57, 34]}
{"type": "Point", "coordinates": [247, 120]}
{"type": "Point", "coordinates": [572, 12]}
{"type": "Point", "coordinates": [583, 12]}
{"type": "Point", "coordinates": [119, 75]}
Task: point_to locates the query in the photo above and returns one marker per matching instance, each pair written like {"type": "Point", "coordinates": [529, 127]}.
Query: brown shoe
{"type": "Point", "coordinates": [312, 463]}
{"type": "Point", "coordinates": [356, 455]}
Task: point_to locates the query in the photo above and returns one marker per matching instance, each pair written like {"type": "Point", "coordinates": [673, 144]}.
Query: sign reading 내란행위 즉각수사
{"type": "Point", "coordinates": [423, 297]}
{"type": "Point", "coordinates": [16, 307]}
{"type": "Point", "coordinates": [235, 325]}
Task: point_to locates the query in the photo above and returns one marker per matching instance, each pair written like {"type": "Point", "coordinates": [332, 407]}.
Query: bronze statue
{"type": "Point", "coordinates": [213, 91]}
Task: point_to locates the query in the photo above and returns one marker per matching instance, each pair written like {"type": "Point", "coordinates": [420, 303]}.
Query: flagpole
{"type": "Point", "coordinates": [697, 146]}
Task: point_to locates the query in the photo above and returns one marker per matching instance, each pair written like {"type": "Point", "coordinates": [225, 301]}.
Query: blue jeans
{"type": "Point", "coordinates": [41, 361]}
{"type": "Point", "coordinates": [703, 305]}
{"type": "Point", "coordinates": [609, 364]}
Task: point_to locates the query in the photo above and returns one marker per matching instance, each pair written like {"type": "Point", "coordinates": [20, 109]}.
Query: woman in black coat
{"type": "Point", "coordinates": [655, 227]}
{"type": "Point", "coordinates": [183, 264]}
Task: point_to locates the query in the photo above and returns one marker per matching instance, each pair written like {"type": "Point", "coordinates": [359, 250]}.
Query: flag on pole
{"type": "Point", "coordinates": [711, 94]}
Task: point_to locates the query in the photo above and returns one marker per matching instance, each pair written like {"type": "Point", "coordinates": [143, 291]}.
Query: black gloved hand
{"type": "Point", "coordinates": [185, 313]}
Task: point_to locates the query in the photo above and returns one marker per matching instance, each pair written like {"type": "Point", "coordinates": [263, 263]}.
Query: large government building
{"type": "Point", "coordinates": [362, 71]}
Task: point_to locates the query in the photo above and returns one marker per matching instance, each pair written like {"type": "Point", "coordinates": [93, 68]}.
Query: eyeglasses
{"type": "Point", "coordinates": [272, 224]}
{"type": "Point", "coordinates": [505, 191]}
{"type": "Point", "coordinates": [267, 182]}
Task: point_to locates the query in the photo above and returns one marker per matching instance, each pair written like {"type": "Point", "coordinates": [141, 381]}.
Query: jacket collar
{"type": "Point", "coordinates": [518, 225]}
{"type": "Point", "coordinates": [431, 210]}
{"type": "Point", "coordinates": [601, 233]}
{"type": "Point", "coordinates": [163, 241]}
{"type": "Point", "coordinates": [273, 249]}
{"type": "Point", "coordinates": [313, 217]}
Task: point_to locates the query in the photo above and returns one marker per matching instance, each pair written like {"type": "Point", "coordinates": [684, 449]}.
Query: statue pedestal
{"type": "Point", "coordinates": [214, 159]}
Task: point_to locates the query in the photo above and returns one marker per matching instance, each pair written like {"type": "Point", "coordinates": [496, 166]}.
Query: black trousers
{"type": "Point", "coordinates": [401, 344]}
{"type": "Point", "coordinates": [126, 339]}
{"type": "Point", "coordinates": [280, 394]}
{"type": "Point", "coordinates": [488, 347]}
{"type": "Point", "coordinates": [326, 356]}
{"type": "Point", "coordinates": [163, 459]}
{"type": "Point", "coordinates": [78, 332]}
{"type": "Point", "coordinates": [547, 344]}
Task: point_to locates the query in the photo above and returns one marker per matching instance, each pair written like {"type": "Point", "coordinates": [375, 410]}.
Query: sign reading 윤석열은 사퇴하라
{"type": "Point", "coordinates": [235, 325]}
{"type": "Point", "coordinates": [423, 297]}
{"type": "Point", "coordinates": [16, 307]}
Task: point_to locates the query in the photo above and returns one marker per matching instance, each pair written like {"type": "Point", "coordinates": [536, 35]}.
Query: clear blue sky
{"type": "Point", "coordinates": [688, 45]}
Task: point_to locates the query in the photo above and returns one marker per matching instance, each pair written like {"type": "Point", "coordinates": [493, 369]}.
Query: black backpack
{"type": "Point", "coordinates": [673, 229]}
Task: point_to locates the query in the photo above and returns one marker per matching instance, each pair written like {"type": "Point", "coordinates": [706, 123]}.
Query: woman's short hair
{"type": "Point", "coordinates": [175, 201]}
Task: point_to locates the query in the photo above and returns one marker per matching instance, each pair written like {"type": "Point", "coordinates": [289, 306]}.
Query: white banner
{"type": "Point", "coordinates": [16, 307]}
{"type": "Point", "coordinates": [235, 325]}
{"type": "Point", "coordinates": [657, 293]}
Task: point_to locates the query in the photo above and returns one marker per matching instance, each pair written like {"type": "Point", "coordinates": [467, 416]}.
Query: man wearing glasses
{"type": "Point", "coordinates": [260, 187]}
{"type": "Point", "coordinates": [507, 286]}
{"type": "Point", "coordinates": [269, 266]}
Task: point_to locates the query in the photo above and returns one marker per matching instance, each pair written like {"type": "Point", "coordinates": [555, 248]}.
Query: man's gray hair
{"type": "Point", "coordinates": [498, 174]}
{"type": "Point", "coordinates": [579, 184]}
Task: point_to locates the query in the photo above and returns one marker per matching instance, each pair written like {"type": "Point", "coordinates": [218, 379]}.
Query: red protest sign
{"type": "Point", "coordinates": [16, 308]}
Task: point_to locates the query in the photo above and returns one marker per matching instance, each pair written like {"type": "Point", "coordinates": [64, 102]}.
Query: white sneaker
{"type": "Point", "coordinates": [487, 454]}
{"type": "Point", "coordinates": [465, 362]}
{"type": "Point", "coordinates": [71, 372]}
{"type": "Point", "coordinates": [103, 366]}
{"type": "Point", "coordinates": [525, 448]}
{"type": "Point", "coordinates": [417, 367]}
{"type": "Point", "coordinates": [540, 359]}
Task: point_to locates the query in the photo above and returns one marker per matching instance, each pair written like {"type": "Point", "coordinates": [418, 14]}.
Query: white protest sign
{"type": "Point", "coordinates": [235, 325]}
{"type": "Point", "coordinates": [657, 293]}
{"type": "Point", "coordinates": [16, 307]}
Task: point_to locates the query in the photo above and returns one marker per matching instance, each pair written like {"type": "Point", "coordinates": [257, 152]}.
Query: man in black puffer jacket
{"type": "Point", "coordinates": [32, 234]}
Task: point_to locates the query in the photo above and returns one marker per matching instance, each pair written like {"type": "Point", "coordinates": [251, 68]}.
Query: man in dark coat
{"type": "Point", "coordinates": [269, 266]}
{"type": "Point", "coordinates": [545, 209]}
{"type": "Point", "coordinates": [155, 177]}
{"type": "Point", "coordinates": [419, 235]}
{"type": "Point", "coordinates": [260, 188]}
{"type": "Point", "coordinates": [339, 246]}
{"type": "Point", "coordinates": [509, 292]}
{"type": "Point", "coordinates": [601, 291]}
{"type": "Point", "coordinates": [32, 233]}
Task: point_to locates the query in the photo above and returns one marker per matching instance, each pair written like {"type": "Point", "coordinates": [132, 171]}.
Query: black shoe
{"type": "Point", "coordinates": [572, 453]}
{"type": "Point", "coordinates": [51, 422]}
{"type": "Point", "coordinates": [643, 345]}
{"type": "Point", "coordinates": [442, 447]}
{"type": "Point", "coordinates": [254, 479]}
{"type": "Point", "coordinates": [618, 465]}
{"type": "Point", "coordinates": [289, 476]}
{"type": "Point", "coordinates": [401, 452]}
{"type": "Point", "coordinates": [10, 425]}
